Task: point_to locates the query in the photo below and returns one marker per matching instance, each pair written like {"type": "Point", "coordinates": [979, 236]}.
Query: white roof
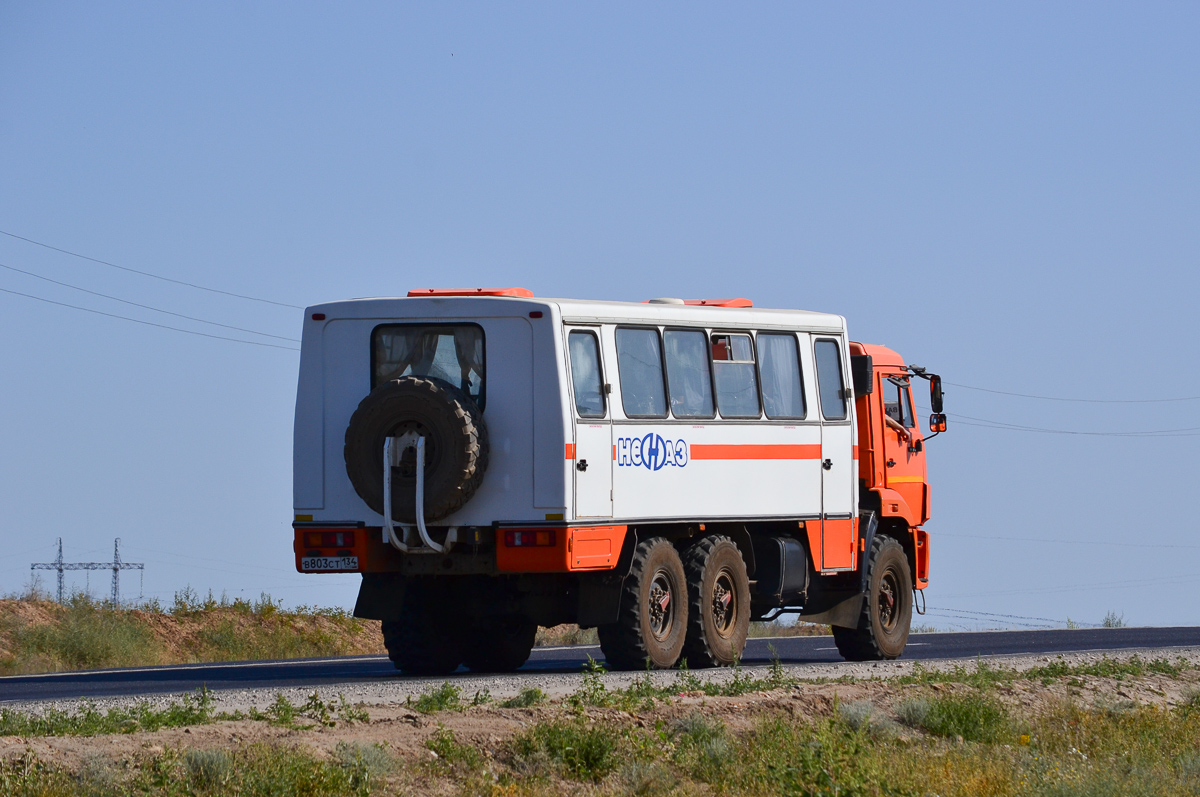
{"type": "Point", "coordinates": [581, 310]}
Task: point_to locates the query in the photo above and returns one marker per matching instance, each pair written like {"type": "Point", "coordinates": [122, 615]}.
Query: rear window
{"type": "Point", "coordinates": [450, 352]}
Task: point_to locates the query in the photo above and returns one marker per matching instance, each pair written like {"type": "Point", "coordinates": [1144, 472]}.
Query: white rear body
{"type": "Point", "coordinates": [637, 469]}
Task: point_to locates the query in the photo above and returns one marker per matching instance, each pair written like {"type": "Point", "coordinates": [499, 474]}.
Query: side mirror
{"type": "Point", "coordinates": [935, 394]}
{"type": "Point", "coordinates": [862, 373]}
{"type": "Point", "coordinates": [937, 422]}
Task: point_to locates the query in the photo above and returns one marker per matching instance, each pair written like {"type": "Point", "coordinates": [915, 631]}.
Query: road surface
{"type": "Point", "coordinates": [351, 669]}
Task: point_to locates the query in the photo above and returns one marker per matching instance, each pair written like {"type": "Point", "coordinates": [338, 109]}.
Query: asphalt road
{"type": "Point", "coordinates": [791, 650]}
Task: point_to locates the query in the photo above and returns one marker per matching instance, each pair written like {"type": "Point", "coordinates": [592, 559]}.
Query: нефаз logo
{"type": "Point", "coordinates": [651, 451]}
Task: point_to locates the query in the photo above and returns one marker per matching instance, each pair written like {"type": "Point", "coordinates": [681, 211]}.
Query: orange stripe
{"type": "Point", "coordinates": [856, 452]}
{"type": "Point", "coordinates": [570, 451]}
{"type": "Point", "coordinates": [715, 451]}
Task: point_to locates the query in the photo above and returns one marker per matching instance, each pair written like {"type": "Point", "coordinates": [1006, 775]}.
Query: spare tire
{"type": "Point", "coordinates": [456, 446]}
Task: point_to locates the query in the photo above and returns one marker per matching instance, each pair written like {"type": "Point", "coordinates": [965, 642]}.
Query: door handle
{"type": "Point", "coordinates": [827, 464]}
{"type": "Point", "coordinates": [891, 463]}
{"type": "Point", "coordinates": [581, 465]}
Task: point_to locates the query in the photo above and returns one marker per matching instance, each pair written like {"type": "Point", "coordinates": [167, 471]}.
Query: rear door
{"type": "Point", "coordinates": [837, 458]}
{"type": "Point", "coordinates": [592, 449]}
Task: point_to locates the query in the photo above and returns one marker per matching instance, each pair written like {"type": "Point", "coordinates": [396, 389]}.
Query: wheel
{"type": "Point", "coordinates": [882, 630]}
{"type": "Point", "coordinates": [426, 640]}
{"type": "Point", "coordinates": [652, 624]}
{"type": "Point", "coordinates": [500, 644]}
{"type": "Point", "coordinates": [718, 602]}
{"type": "Point", "coordinates": [456, 446]}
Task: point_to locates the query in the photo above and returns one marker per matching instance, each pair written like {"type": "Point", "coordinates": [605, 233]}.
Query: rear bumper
{"type": "Point", "coordinates": [573, 549]}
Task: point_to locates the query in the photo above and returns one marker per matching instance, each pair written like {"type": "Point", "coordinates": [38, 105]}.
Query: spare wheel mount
{"type": "Point", "coordinates": [393, 450]}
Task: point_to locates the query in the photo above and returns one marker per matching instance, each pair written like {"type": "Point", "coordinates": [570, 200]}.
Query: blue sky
{"type": "Point", "coordinates": [1007, 194]}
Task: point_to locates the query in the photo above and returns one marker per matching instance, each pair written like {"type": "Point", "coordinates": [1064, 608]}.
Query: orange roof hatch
{"type": "Point", "coordinates": [523, 293]}
{"type": "Point", "coordinates": [720, 302]}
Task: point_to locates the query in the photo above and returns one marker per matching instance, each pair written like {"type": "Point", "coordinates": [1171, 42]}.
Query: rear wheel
{"type": "Point", "coordinates": [718, 602]}
{"type": "Point", "coordinates": [882, 630]}
{"type": "Point", "coordinates": [427, 639]}
{"type": "Point", "coordinates": [500, 644]}
{"type": "Point", "coordinates": [652, 624]}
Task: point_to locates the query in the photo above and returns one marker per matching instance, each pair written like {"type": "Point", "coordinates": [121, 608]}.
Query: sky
{"type": "Point", "coordinates": [1007, 194]}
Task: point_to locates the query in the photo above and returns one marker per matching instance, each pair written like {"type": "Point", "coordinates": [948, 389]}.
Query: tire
{"type": "Point", "coordinates": [883, 626]}
{"type": "Point", "coordinates": [649, 629]}
{"type": "Point", "coordinates": [426, 640]}
{"type": "Point", "coordinates": [718, 602]}
{"type": "Point", "coordinates": [456, 446]}
{"type": "Point", "coordinates": [500, 644]}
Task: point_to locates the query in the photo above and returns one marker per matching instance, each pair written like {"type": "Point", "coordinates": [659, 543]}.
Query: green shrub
{"type": "Point", "coordinates": [578, 750]}
{"type": "Point", "coordinates": [529, 696]}
{"type": "Point", "coordinates": [449, 751]}
{"type": "Point", "coordinates": [976, 717]}
{"type": "Point", "coordinates": [446, 697]}
{"type": "Point", "coordinates": [208, 769]}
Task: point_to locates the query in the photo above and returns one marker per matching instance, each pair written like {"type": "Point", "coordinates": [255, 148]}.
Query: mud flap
{"type": "Point", "coordinates": [844, 613]}
{"type": "Point", "coordinates": [380, 597]}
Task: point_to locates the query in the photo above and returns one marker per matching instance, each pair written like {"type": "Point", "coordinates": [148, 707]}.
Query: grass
{"type": "Point", "coordinates": [253, 771]}
{"type": "Point", "coordinates": [190, 709]}
{"type": "Point", "coordinates": [975, 717]}
{"type": "Point", "coordinates": [572, 749]}
{"type": "Point", "coordinates": [960, 741]}
{"type": "Point", "coordinates": [39, 635]}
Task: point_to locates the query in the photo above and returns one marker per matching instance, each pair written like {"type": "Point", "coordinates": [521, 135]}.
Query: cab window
{"type": "Point", "coordinates": [897, 402]}
{"type": "Point", "coordinates": [734, 376]}
{"type": "Point", "coordinates": [586, 379]}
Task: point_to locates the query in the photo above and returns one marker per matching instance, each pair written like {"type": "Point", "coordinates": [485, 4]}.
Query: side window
{"type": "Point", "coordinates": [830, 381]}
{"type": "Point", "coordinates": [639, 360]}
{"type": "Point", "coordinates": [734, 376]}
{"type": "Point", "coordinates": [687, 374]}
{"type": "Point", "coordinates": [906, 406]}
{"type": "Point", "coordinates": [586, 377]}
{"type": "Point", "coordinates": [897, 402]}
{"type": "Point", "coordinates": [450, 352]}
{"type": "Point", "coordinates": [891, 401]}
{"type": "Point", "coordinates": [782, 385]}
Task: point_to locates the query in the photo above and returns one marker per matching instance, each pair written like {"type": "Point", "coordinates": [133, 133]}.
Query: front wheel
{"type": "Point", "coordinates": [883, 626]}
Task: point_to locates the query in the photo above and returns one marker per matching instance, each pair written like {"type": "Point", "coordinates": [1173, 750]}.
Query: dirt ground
{"type": "Point", "coordinates": [404, 731]}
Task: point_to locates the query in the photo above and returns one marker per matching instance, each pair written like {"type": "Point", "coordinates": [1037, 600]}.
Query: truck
{"type": "Point", "coordinates": [663, 471]}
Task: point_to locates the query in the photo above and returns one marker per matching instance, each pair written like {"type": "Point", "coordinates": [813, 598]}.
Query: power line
{"type": "Point", "coordinates": [987, 423]}
{"type": "Point", "coordinates": [148, 323]}
{"type": "Point", "coordinates": [1074, 400]}
{"type": "Point", "coordinates": [944, 536]}
{"type": "Point", "coordinates": [149, 274]}
{"type": "Point", "coordinates": [145, 306]}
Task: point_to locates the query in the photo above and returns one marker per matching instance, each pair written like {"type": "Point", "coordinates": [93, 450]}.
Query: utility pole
{"type": "Point", "coordinates": [116, 565]}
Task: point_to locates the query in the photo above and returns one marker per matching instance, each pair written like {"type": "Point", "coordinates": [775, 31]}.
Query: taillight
{"type": "Point", "coordinates": [329, 539]}
{"type": "Point", "coordinates": [541, 538]}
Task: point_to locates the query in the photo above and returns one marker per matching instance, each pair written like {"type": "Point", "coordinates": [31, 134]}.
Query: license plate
{"type": "Point", "coordinates": [321, 563]}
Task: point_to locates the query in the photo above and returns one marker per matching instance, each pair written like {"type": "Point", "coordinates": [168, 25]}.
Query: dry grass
{"type": "Point", "coordinates": [39, 635]}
